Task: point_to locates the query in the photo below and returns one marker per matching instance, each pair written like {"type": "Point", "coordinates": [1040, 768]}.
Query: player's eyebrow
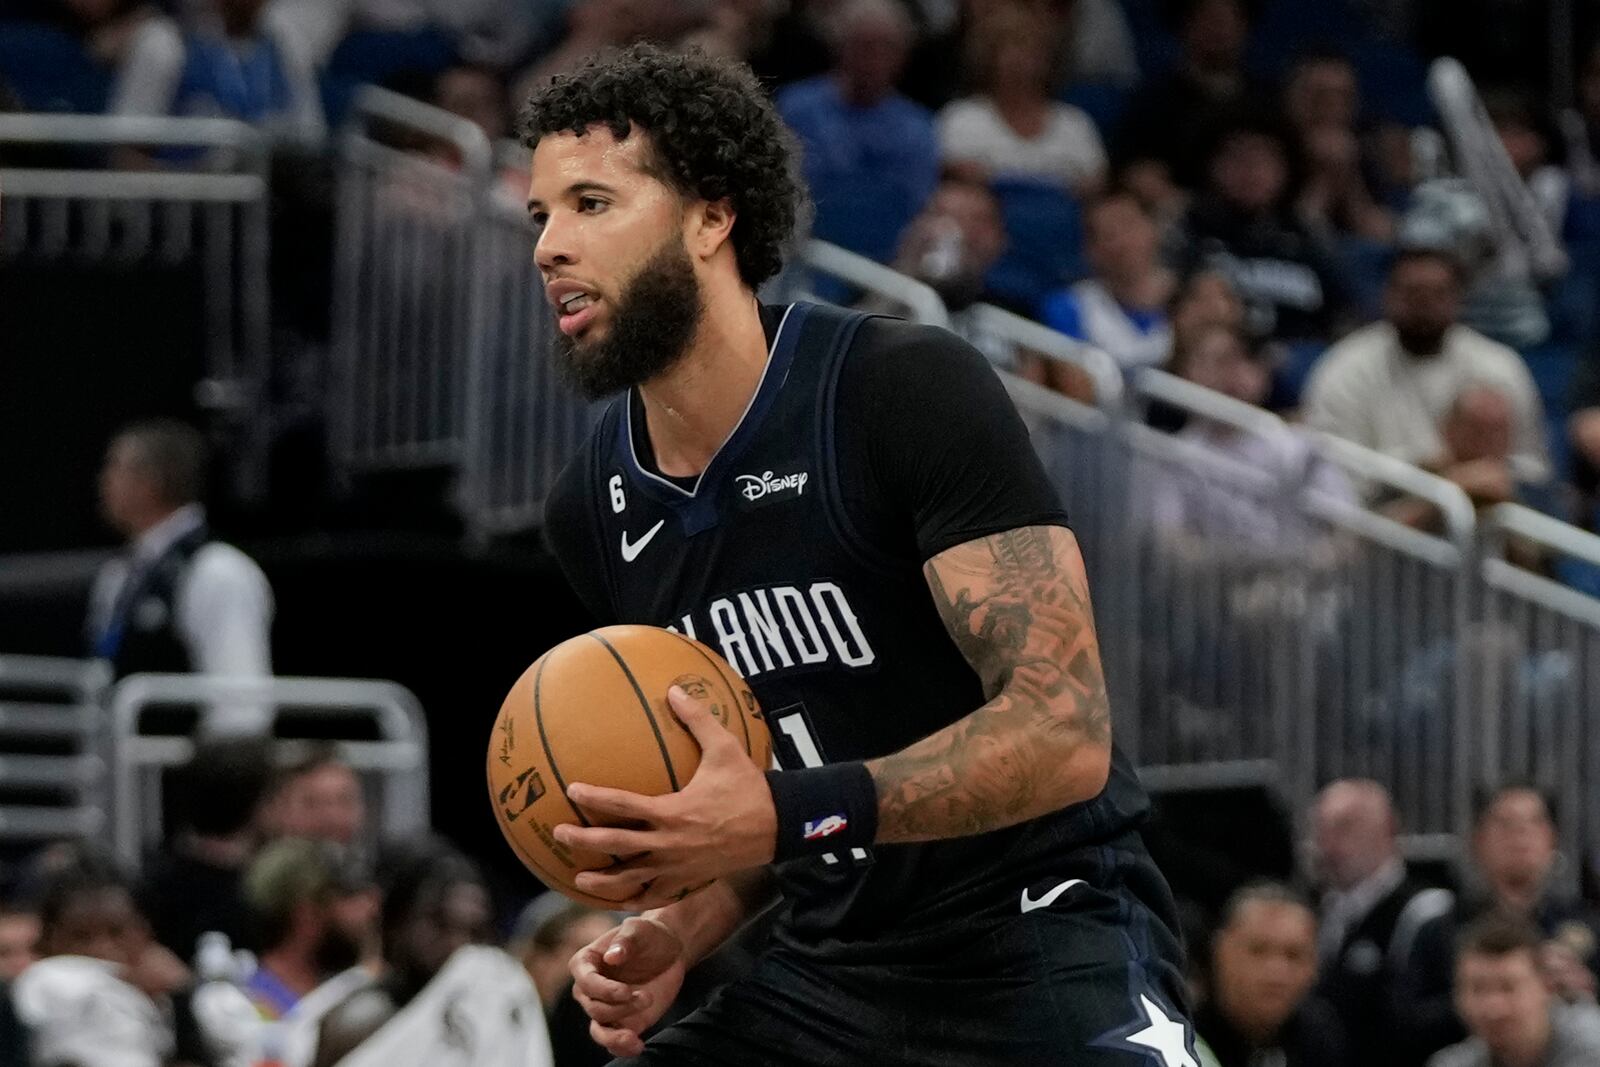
{"type": "Point", "coordinates": [575, 189]}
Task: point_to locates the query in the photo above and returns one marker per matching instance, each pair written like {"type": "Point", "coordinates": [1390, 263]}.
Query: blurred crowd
{"type": "Point", "coordinates": [273, 928]}
{"type": "Point", "coordinates": [1108, 167]}
{"type": "Point", "coordinates": [1239, 192]}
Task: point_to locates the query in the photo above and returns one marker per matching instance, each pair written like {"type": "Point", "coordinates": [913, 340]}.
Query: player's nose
{"type": "Point", "coordinates": [555, 247]}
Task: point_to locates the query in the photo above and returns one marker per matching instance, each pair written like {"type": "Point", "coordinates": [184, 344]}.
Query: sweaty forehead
{"type": "Point", "coordinates": [564, 159]}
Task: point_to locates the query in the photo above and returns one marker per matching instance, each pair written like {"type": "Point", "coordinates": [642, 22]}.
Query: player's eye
{"type": "Point", "coordinates": [591, 205]}
{"type": "Point", "coordinates": [538, 218]}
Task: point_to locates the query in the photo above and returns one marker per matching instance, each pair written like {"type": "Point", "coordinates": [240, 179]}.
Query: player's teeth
{"type": "Point", "coordinates": [576, 303]}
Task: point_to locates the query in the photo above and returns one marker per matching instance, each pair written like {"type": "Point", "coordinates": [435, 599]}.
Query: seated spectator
{"type": "Point", "coordinates": [120, 36]}
{"type": "Point", "coordinates": [1243, 224]}
{"type": "Point", "coordinates": [19, 941]}
{"type": "Point", "coordinates": [592, 27]}
{"type": "Point", "coordinates": [319, 798]}
{"type": "Point", "coordinates": [1260, 1008]}
{"type": "Point", "coordinates": [1583, 430]}
{"type": "Point", "coordinates": [194, 886]}
{"type": "Point", "coordinates": [549, 932]}
{"type": "Point", "coordinates": [99, 996]}
{"type": "Point", "coordinates": [1506, 1003]}
{"type": "Point", "coordinates": [178, 600]}
{"type": "Point", "coordinates": [1530, 144]}
{"type": "Point", "coordinates": [1371, 910]}
{"type": "Point", "coordinates": [1205, 515]}
{"type": "Point", "coordinates": [1163, 131]}
{"type": "Point", "coordinates": [1323, 104]}
{"type": "Point", "coordinates": [953, 242]}
{"type": "Point", "coordinates": [1514, 855]}
{"type": "Point", "coordinates": [304, 934]}
{"type": "Point", "coordinates": [859, 137]}
{"type": "Point", "coordinates": [233, 63]}
{"type": "Point", "coordinates": [477, 94]}
{"type": "Point", "coordinates": [1580, 128]}
{"type": "Point", "coordinates": [1392, 386]}
{"type": "Point", "coordinates": [436, 917]}
{"type": "Point", "coordinates": [1203, 300]}
{"type": "Point", "coordinates": [1122, 308]}
{"type": "Point", "coordinates": [1013, 128]}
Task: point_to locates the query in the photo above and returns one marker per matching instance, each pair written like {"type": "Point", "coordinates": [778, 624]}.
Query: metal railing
{"type": "Point", "coordinates": [1531, 657]}
{"type": "Point", "coordinates": [84, 193]}
{"type": "Point", "coordinates": [51, 771]}
{"type": "Point", "coordinates": [407, 307]}
{"type": "Point", "coordinates": [398, 759]}
{"type": "Point", "coordinates": [524, 421]}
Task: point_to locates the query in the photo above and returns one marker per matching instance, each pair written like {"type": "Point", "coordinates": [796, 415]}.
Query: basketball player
{"type": "Point", "coordinates": [848, 508]}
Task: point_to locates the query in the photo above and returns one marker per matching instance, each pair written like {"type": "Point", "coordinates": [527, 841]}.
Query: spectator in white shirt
{"type": "Point", "coordinates": [1013, 128]}
{"type": "Point", "coordinates": [1395, 385]}
{"type": "Point", "coordinates": [176, 600]}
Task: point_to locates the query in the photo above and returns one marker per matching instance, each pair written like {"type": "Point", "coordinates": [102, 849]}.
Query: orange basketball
{"type": "Point", "coordinates": [594, 709]}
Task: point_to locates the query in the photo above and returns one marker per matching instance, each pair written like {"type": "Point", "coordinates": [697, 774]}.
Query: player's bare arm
{"type": "Point", "coordinates": [1017, 605]}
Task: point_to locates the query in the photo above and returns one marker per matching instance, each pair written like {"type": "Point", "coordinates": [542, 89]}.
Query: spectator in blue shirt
{"type": "Point", "coordinates": [234, 62]}
{"type": "Point", "coordinates": [1122, 308]}
{"type": "Point", "coordinates": [870, 155]}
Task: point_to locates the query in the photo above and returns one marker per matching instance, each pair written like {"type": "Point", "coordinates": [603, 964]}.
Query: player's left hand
{"type": "Point", "coordinates": [722, 822]}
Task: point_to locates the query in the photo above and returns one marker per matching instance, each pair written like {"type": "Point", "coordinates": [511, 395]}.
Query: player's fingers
{"type": "Point", "coordinates": [615, 1040]}
{"type": "Point", "coordinates": [616, 883]}
{"type": "Point", "coordinates": [617, 802]}
{"type": "Point", "coordinates": [612, 840]}
{"type": "Point", "coordinates": [598, 987]}
{"type": "Point", "coordinates": [698, 719]}
{"type": "Point", "coordinates": [606, 1013]}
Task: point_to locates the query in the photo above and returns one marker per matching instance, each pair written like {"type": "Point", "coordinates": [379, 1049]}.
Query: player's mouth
{"type": "Point", "coordinates": [575, 306]}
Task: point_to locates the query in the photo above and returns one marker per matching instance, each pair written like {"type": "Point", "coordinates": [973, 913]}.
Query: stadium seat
{"type": "Point", "coordinates": [1101, 101]}
{"type": "Point", "coordinates": [1044, 226]}
{"type": "Point", "coordinates": [863, 213]}
{"type": "Point", "coordinates": [49, 70]}
{"type": "Point", "coordinates": [381, 57]}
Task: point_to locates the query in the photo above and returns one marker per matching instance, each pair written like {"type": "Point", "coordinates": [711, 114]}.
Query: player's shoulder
{"type": "Point", "coordinates": [894, 351]}
{"type": "Point", "coordinates": [568, 501]}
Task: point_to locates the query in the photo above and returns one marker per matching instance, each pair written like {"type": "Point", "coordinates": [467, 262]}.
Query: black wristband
{"type": "Point", "coordinates": [824, 809]}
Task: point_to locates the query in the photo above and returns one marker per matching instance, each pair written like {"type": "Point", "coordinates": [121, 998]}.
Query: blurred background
{"type": "Point", "coordinates": [1299, 298]}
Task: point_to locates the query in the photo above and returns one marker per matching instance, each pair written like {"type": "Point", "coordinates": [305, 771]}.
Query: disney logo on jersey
{"type": "Point", "coordinates": [758, 487]}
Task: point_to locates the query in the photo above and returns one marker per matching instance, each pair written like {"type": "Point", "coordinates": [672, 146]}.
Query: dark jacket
{"type": "Point", "coordinates": [1363, 980]}
{"type": "Point", "coordinates": [1312, 1037]}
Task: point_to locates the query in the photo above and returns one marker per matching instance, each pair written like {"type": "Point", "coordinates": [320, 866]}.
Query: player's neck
{"type": "Point", "coordinates": [693, 408]}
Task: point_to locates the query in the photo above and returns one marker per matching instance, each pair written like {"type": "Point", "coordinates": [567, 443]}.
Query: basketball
{"type": "Point", "coordinates": [594, 709]}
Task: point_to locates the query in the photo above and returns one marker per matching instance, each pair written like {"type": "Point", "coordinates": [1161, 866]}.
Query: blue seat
{"type": "Point", "coordinates": [1044, 228]}
{"type": "Point", "coordinates": [1366, 266]}
{"type": "Point", "coordinates": [1101, 101]}
{"type": "Point", "coordinates": [49, 70]}
{"type": "Point", "coordinates": [380, 57]}
{"type": "Point", "coordinates": [863, 213]}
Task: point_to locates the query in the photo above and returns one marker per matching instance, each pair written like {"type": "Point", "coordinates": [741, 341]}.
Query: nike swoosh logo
{"type": "Point", "coordinates": [631, 552]}
{"type": "Point", "coordinates": [1029, 904]}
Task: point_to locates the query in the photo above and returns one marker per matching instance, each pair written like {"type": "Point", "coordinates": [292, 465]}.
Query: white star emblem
{"type": "Point", "coordinates": [1163, 1035]}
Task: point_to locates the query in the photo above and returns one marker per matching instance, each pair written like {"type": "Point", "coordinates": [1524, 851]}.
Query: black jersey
{"type": "Point", "coordinates": [870, 446]}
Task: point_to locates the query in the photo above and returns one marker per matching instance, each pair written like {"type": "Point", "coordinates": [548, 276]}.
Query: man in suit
{"type": "Point", "coordinates": [1371, 910]}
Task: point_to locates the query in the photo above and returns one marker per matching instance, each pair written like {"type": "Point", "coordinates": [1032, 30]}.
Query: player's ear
{"type": "Point", "coordinates": [710, 226]}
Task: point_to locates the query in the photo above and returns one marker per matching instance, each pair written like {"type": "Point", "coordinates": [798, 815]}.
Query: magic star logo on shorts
{"type": "Point", "coordinates": [817, 829]}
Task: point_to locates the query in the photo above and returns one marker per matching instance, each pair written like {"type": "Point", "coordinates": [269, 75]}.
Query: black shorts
{"type": "Point", "coordinates": [1091, 979]}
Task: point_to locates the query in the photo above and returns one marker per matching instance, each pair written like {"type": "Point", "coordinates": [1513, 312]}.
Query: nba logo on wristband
{"type": "Point", "coordinates": [817, 829]}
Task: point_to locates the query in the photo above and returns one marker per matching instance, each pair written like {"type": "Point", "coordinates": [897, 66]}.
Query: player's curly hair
{"type": "Point", "coordinates": [713, 133]}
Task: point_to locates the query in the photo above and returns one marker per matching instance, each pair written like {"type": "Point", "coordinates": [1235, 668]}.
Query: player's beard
{"type": "Point", "coordinates": [652, 323]}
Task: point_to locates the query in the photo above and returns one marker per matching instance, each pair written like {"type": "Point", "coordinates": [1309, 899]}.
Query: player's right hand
{"type": "Point", "coordinates": [626, 979]}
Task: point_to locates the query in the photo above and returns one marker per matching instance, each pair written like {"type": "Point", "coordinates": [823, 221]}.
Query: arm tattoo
{"type": "Point", "coordinates": [1017, 606]}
